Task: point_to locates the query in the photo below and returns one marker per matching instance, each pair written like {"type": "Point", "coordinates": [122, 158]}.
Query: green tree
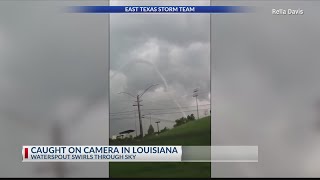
{"type": "Point", "coordinates": [180, 121]}
{"type": "Point", "coordinates": [164, 129]}
{"type": "Point", "coordinates": [192, 118]}
{"type": "Point", "coordinates": [150, 130]}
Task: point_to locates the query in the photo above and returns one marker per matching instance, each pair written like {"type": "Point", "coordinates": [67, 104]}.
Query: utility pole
{"type": "Point", "coordinates": [135, 123]}
{"type": "Point", "coordinates": [150, 119]}
{"type": "Point", "coordinates": [138, 97]}
{"type": "Point", "coordinates": [195, 94]}
{"type": "Point", "coordinates": [158, 125]}
{"type": "Point", "coordinates": [139, 114]}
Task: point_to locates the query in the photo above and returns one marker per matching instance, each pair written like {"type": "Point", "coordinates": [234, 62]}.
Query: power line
{"type": "Point", "coordinates": [164, 120]}
{"type": "Point", "coordinates": [175, 107]}
{"type": "Point", "coordinates": [176, 112]}
{"type": "Point", "coordinates": [128, 115]}
{"type": "Point", "coordinates": [156, 109]}
{"type": "Point", "coordinates": [122, 112]}
{"type": "Point", "coordinates": [138, 104]}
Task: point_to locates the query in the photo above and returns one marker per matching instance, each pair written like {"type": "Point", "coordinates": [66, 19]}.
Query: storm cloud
{"type": "Point", "coordinates": [170, 50]}
{"type": "Point", "coordinates": [266, 90]}
{"type": "Point", "coordinates": [54, 72]}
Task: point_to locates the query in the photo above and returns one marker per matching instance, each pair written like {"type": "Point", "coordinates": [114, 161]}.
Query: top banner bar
{"type": "Point", "coordinates": [158, 9]}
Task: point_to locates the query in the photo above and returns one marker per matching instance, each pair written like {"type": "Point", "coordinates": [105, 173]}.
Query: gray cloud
{"type": "Point", "coordinates": [175, 45]}
{"type": "Point", "coordinates": [55, 70]}
{"type": "Point", "coordinates": [265, 87]}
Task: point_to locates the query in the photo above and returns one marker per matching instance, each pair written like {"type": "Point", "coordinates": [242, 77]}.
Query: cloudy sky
{"type": "Point", "coordinates": [170, 50]}
{"type": "Point", "coordinates": [54, 71]}
{"type": "Point", "coordinates": [265, 80]}
{"type": "Point", "coordinates": [266, 89]}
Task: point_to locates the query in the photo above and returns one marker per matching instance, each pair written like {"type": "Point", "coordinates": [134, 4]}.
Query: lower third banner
{"type": "Point", "coordinates": [101, 153]}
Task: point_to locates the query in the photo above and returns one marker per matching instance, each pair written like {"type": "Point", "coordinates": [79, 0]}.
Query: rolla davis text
{"type": "Point", "coordinates": [82, 156]}
{"type": "Point", "coordinates": [295, 12]}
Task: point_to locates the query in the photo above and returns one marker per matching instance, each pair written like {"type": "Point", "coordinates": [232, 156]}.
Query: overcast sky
{"type": "Point", "coordinates": [54, 70]}
{"type": "Point", "coordinates": [143, 46]}
{"type": "Point", "coordinates": [265, 87]}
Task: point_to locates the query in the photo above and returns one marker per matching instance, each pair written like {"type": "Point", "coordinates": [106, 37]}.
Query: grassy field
{"type": "Point", "coordinates": [194, 133]}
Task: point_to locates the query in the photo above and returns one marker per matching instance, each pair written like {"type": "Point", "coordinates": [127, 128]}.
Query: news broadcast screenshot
{"type": "Point", "coordinates": [159, 89]}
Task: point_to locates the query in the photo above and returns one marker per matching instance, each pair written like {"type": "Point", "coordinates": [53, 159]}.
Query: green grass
{"type": "Point", "coordinates": [160, 170]}
{"type": "Point", "coordinates": [194, 133]}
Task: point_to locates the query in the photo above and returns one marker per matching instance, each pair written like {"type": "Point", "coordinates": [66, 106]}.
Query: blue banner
{"type": "Point", "coordinates": [158, 9]}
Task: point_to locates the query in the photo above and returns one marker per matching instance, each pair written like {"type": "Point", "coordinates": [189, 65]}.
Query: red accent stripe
{"type": "Point", "coordinates": [26, 153]}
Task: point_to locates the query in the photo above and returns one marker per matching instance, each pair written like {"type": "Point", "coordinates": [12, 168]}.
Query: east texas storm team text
{"type": "Point", "coordinates": [159, 9]}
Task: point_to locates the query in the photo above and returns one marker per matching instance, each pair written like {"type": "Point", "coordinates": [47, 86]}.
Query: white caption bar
{"type": "Point", "coordinates": [101, 153]}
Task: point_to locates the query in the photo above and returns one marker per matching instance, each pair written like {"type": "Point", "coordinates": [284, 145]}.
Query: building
{"type": "Point", "coordinates": [123, 135]}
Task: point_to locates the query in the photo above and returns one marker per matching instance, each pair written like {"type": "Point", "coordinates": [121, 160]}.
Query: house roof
{"type": "Point", "coordinates": [126, 132]}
